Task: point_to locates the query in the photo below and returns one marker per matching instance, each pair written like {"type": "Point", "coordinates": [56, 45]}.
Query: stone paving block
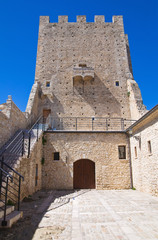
{"type": "Point", "coordinates": [81, 219]}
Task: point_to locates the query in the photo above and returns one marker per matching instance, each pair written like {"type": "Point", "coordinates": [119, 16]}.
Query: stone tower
{"type": "Point", "coordinates": [85, 90]}
{"type": "Point", "coordinates": [84, 69]}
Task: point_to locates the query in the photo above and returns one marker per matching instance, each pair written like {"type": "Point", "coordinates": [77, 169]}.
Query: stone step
{"type": "Point", "coordinates": [1, 203]}
{"type": "Point", "coordinates": [8, 211]}
{"type": "Point", "coordinates": [12, 218]}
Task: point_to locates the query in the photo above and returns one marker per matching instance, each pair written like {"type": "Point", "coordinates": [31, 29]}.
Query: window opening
{"type": "Point", "coordinates": [135, 150]}
{"type": "Point", "coordinates": [82, 65]}
{"type": "Point", "coordinates": [122, 152]}
{"type": "Point", "coordinates": [117, 83]}
{"type": "Point", "coordinates": [47, 84]}
{"type": "Point", "coordinates": [56, 156]}
{"type": "Point", "coordinates": [149, 147]}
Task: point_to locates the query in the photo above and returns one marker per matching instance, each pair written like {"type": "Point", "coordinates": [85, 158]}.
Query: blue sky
{"type": "Point", "coordinates": [19, 21]}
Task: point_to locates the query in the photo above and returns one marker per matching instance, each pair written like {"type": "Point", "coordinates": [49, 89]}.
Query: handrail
{"type": "Point", "coordinates": [35, 123]}
{"type": "Point", "coordinates": [6, 173]}
{"type": "Point", "coordinates": [109, 118]}
{"type": "Point", "coordinates": [12, 169]}
{"type": "Point", "coordinates": [11, 143]}
{"type": "Point", "coordinates": [4, 222]}
{"type": "Point", "coordinates": [15, 148]}
{"type": "Point", "coordinates": [90, 123]}
{"type": "Point", "coordinates": [17, 143]}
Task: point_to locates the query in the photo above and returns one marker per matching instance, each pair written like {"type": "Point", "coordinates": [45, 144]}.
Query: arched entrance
{"type": "Point", "coordinates": [84, 174]}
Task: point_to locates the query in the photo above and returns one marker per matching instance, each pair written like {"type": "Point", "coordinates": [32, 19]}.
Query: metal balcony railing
{"type": "Point", "coordinates": [88, 124]}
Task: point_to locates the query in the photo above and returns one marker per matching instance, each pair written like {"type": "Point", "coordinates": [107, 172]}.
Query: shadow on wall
{"type": "Point", "coordinates": [55, 106]}
{"type": "Point", "coordinates": [98, 96]}
{"type": "Point", "coordinates": [129, 59]}
{"type": "Point", "coordinates": [57, 172]}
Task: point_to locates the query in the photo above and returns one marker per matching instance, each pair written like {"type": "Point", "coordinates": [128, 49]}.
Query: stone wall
{"type": "Point", "coordinates": [135, 99]}
{"type": "Point", "coordinates": [144, 162]}
{"type": "Point", "coordinates": [33, 108]}
{"type": "Point", "coordinates": [102, 148]}
{"type": "Point", "coordinates": [100, 48]}
{"type": "Point", "coordinates": [11, 119]}
{"type": "Point", "coordinates": [27, 168]}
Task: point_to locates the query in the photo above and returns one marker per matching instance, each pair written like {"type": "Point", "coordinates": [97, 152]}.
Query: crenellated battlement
{"type": "Point", "coordinates": [82, 19]}
{"type": "Point", "coordinates": [83, 67]}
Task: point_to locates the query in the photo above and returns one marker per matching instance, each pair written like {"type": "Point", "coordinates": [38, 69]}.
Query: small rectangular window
{"type": "Point", "coordinates": [82, 65]}
{"type": "Point", "coordinates": [117, 83]}
{"type": "Point", "coordinates": [135, 150]}
{"type": "Point", "coordinates": [47, 84]}
{"type": "Point", "coordinates": [149, 147]}
{"type": "Point", "coordinates": [140, 143]}
{"type": "Point", "coordinates": [56, 156]}
{"type": "Point", "coordinates": [122, 152]}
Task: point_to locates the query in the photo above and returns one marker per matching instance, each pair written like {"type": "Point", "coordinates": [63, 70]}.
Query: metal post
{"type": "Point", "coordinates": [76, 124]}
{"type": "Point", "coordinates": [106, 124]}
{"type": "Point", "coordinates": [4, 222]}
{"type": "Point", "coordinates": [37, 130]}
{"type": "Point", "coordinates": [19, 193]}
{"type": "Point", "coordinates": [29, 144]}
{"type": "Point", "coordinates": [42, 124]}
{"type": "Point", "coordinates": [1, 175]}
{"type": "Point", "coordinates": [122, 124]}
{"type": "Point", "coordinates": [23, 137]}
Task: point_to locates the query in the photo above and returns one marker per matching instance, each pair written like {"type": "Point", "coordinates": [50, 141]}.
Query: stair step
{"type": "Point", "coordinates": [8, 211]}
{"type": "Point", "coordinates": [1, 203]}
{"type": "Point", "coordinates": [11, 219]}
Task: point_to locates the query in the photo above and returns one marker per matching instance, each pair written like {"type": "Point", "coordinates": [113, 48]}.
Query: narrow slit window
{"type": "Point", "coordinates": [149, 147]}
{"type": "Point", "coordinates": [36, 175]}
{"type": "Point", "coordinates": [122, 152]}
{"type": "Point", "coordinates": [56, 156]}
{"type": "Point", "coordinates": [135, 150]}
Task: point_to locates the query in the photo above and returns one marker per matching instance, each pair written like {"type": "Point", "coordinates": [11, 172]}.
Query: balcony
{"type": "Point", "coordinates": [83, 73]}
{"type": "Point", "coordinates": [88, 124]}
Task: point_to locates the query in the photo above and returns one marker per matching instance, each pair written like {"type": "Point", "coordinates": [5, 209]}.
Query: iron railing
{"type": "Point", "coordinates": [10, 187]}
{"type": "Point", "coordinates": [33, 134]}
{"type": "Point", "coordinates": [89, 124]}
{"type": "Point", "coordinates": [14, 149]}
{"type": "Point", "coordinates": [23, 142]}
{"type": "Point", "coordinates": [4, 183]}
{"type": "Point", "coordinates": [10, 180]}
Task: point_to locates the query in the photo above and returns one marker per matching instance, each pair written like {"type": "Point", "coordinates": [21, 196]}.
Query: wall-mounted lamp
{"type": "Point", "coordinates": [130, 131]}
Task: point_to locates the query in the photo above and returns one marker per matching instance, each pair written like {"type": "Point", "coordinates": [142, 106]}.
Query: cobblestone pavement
{"type": "Point", "coordinates": [88, 215]}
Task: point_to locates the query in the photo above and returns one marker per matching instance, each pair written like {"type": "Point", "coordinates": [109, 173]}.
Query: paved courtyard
{"type": "Point", "coordinates": [88, 215]}
{"type": "Point", "coordinates": [110, 215]}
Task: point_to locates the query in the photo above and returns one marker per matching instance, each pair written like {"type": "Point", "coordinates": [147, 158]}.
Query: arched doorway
{"type": "Point", "coordinates": [84, 174]}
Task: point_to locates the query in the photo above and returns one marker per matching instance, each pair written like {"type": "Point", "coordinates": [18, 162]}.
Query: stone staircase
{"type": "Point", "coordinates": [19, 146]}
{"type": "Point", "coordinates": [12, 216]}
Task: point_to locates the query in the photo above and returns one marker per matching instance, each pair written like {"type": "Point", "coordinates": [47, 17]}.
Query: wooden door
{"type": "Point", "coordinates": [84, 174]}
{"type": "Point", "coordinates": [46, 113]}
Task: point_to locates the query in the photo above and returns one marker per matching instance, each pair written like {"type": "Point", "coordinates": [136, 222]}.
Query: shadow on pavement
{"type": "Point", "coordinates": [34, 208]}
